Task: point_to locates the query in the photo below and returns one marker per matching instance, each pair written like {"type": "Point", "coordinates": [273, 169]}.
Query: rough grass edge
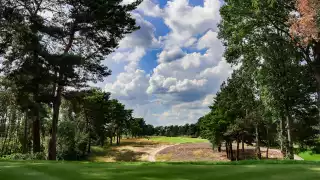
{"type": "Point", "coordinates": [245, 162]}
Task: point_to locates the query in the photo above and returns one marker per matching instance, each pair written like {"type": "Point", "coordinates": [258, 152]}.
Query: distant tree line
{"type": "Point", "coordinates": [191, 130]}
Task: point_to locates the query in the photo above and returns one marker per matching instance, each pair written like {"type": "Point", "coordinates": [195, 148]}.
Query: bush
{"type": "Point", "coordinates": [72, 142]}
{"type": "Point", "coordinates": [19, 156]}
{"type": "Point", "coordinates": [316, 149]}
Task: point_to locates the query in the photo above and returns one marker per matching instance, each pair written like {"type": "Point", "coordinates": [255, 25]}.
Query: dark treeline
{"type": "Point", "coordinates": [273, 99]}
{"type": "Point", "coordinates": [51, 51]}
{"type": "Point", "coordinates": [191, 130]}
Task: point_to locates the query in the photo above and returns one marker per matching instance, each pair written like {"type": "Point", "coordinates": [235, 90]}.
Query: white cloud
{"type": "Point", "coordinates": [195, 75]}
{"type": "Point", "coordinates": [187, 84]}
{"type": "Point", "coordinates": [185, 81]}
{"type": "Point", "coordinates": [190, 42]}
{"type": "Point", "coordinates": [144, 37]}
{"type": "Point", "coordinates": [223, 68]}
{"type": "Point", "coordinates": [209, 40]}
{"type": "Point", "coordinates": [186, 112]}
{"type": "Point", "coordinates": [170, 55]}
{"type": "Point", "coordinates": [186, 21]}
{"type": "Point", "coordinates": [147, 7]}
{"type": "Point", "coordinates": [130, 86]}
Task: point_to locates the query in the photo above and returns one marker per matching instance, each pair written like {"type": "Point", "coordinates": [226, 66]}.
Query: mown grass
{"type": "Point", "coordinates": [245, 170]}
{"type": "Point", "coordinates": [309, 156]}
{"type": "Point", "coordinates": [177, 139]}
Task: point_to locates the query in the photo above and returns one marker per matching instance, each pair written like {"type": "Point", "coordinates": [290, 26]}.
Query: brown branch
{"type": "Point", "coordinates": [38, 5]}
{"type": "Point", "coordinates": [71, 38]}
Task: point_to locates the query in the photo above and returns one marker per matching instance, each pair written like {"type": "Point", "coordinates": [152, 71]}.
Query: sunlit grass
{"type": "Point", "coordinates": [164, 157]}
{"type": "Point", "coordinates": [262, 170]}
{"type": "Point", "coordinates": [309, 156]}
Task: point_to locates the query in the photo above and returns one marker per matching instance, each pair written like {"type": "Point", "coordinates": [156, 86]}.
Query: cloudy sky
{"type": "Point", "coordinates": [170, 69]}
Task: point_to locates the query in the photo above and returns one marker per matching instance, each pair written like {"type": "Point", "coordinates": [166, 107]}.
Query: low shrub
{"type": "Point", "coordinates": [316, 149]}
{"type": "Point", "coordinates": [20, 156]}
{"type": "Point", "coordinates": [71, 143]}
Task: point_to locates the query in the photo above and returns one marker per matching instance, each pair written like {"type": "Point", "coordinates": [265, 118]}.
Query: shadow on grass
{"type": "Point", "coordinates": [137, 143]}
{"type": "Point", "coordinates": [109, 153]}
{"type": "Point", "coordinates": [249, 154]}
{"type": "Point", "coordinates": [127, 155]}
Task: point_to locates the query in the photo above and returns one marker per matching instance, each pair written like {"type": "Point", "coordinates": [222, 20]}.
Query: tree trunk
{"type": "Point", "coordinates": [231, 151]}
{"type": "Point", "coordinates": [219, 147]}
{"type": "Point", "coordinates": [290, 154]}
{"type": "Point", "coordinates": [282, 138]}
{"type": "Point", "coordinates": [118, 137]}
{"type": "Point", "coordinates": [102, 141]}
{"type": "Point", "coordinates": [89, 145]}
{"type": "Point", "coordinates": [25, 134]}
{"type": "Point", "coordinates": [111, 140]}
{"type": "Point", "coordinates": [258, 152]}
{"type": "Point", "coordinates": [242, 143]}
{"type": "Point", "coordinates": [227, 150]}
{"type": "Point", "coordinates": [4, 144]}
{"type": "Point", "coordinates": [88, 130]}
{"type": "Point", "coordinates": [36, 131]}
{"type": "Point", "coordinates": [237, 156]}
{"type": "Point", "coordinates": [52, 150]}
{"type": "Point", "coordinates": [268, 144]}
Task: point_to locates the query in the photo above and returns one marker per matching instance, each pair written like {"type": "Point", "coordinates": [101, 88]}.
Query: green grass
{"type": "Point", "coordinates": [309, 156]}
{"type": "Point", "coordinates": [248, 170]}
{"type": "Point", "coordinates": [177, 139]}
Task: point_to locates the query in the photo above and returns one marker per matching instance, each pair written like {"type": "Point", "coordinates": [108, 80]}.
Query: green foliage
{"type": "Point", "coordinates": [271, 96]}
{"type": "Point", "coordinates": [316, 148]}
{"type": "Point", "coordinates": [175, 130]}
{"type": "Point", "coordinates": [72, 143]}
{"type": "Point", "coordinates": [42, 55]}
{"type": "Point", "coordinates": [310, 156]}
{"type": "Point", "coordinates": [19, 156]}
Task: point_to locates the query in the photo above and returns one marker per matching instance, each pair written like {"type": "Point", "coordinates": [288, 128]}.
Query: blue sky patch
{"type": "Point", "coordinates": [149, 61]}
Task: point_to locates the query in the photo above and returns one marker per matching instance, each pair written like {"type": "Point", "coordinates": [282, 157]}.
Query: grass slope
{"type": "Point", "coordinates": [155, 171]}
{"type": "Point", "coordinates": [309, 156]}
{"type": "Point", "coordinates": [177, 139]}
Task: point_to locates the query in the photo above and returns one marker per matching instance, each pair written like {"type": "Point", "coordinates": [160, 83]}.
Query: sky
{"type": "Point", "coordinates": [170, 69]}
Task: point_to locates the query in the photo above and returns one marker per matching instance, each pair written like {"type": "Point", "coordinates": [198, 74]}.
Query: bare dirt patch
{"type": "Point", "coordinates": [204, 152]}
{"type": "Point", "coordinates": [129, 150]}
{"type": "Point", "coordinates": [191, 152]}
{"type": "Point", "coordinates": [148, 150]}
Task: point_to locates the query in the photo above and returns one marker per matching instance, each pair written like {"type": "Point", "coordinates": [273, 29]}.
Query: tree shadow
{"type": "Point", "coordinates": [109, 153]}
{"type": "Point", "coordinates": [250, 154]}
{"type": "Point", "coordinates": [127, 155]}
{"type": "Point", "coordinates": [138, 143]}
